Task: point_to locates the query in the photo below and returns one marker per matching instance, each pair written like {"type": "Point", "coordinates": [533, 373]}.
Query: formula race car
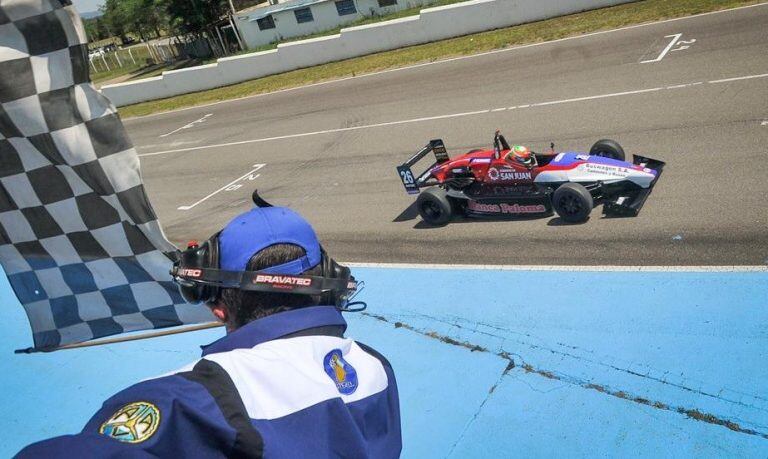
{"type": "Point", "coordinates": [516, 182]}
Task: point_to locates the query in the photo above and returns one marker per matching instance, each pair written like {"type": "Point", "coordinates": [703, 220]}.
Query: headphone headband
{"type": "Point", "coordinates": [262, 281]}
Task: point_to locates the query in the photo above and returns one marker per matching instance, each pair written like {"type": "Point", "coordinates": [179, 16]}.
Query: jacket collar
{"type": "Point", "coordinates": [276, 326]}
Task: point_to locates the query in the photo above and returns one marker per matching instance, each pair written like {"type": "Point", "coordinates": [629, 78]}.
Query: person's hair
{"type": "Point", "coordinates": [246, 306]}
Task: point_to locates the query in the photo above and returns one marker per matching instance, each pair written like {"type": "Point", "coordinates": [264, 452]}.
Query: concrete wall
{"type": "Point", "coordinates": [430, 25]}
{"type": "Point", "coordinates": [325, 15]}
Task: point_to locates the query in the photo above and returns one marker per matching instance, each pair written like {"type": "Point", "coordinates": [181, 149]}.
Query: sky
{"type": "Point", "coordinates": [87, 6]}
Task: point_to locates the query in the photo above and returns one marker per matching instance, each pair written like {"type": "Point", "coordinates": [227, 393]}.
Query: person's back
{"type": "Point", "coordinates": [284, 382]}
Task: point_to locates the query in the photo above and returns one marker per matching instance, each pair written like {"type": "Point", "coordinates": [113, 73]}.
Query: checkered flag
{"type": "Point", "coordinates": [80, 243]}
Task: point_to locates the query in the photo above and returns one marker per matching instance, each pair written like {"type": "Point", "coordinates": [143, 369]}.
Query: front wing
{"type": "Point", "coordinates": [629, 203]}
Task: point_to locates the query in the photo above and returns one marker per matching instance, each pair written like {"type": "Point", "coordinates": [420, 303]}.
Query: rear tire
{"type": "Point", "coordinates": [572, 202]}
{"type": "Point", "coordinates": [608, 148]}
{"type": "Point", "coordinates": [434, 206]}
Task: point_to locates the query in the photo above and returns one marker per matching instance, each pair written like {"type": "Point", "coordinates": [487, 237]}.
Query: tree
{"type": "Point", "coordinates": [140, 17]}
{"type": "Point", "coordinates": [195, 16]}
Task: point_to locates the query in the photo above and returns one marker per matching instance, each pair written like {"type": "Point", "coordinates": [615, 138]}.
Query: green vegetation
{"type": "Point", "coordinates": [551, 29]}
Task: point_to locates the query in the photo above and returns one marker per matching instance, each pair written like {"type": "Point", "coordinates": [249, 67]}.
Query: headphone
{"type": "Point", "coordinates": [200, 278]}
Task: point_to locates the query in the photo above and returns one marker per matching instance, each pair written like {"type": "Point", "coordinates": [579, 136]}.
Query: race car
{"type": "Point", "coordinates": [516, 182]}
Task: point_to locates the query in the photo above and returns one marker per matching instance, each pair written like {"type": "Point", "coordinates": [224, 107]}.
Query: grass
{"type": "Point", "coordinates": [140, 55]}
{"type": "Point", "coordinates": [551, 29]}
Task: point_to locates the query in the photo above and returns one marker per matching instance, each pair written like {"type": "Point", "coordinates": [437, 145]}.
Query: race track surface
{"type": "Point", "coordinates": [330, 150]}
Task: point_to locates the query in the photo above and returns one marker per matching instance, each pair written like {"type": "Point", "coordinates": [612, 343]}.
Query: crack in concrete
{"type": "Point", "coordinates": [607, 365]}
{"type": "Point", "coordinates": [690, 413]}
{"type": "Point", "coordinates": [510, 366]}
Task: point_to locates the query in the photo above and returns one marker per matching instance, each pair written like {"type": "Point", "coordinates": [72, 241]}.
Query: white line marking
{"type": "Point", "coordinates": [764, 123]}
{"type": "Point", "coordinates": [601, 96]}
{"type": "Point", "coordinates": [249, 176]}
{"type": "Point", "coordinates": [187, 126]}
{"type": "Point", "coordinates": [728, 80]}
{"type": "Point", "coordinates": [702, 269]}
{"type": "Point", "coordinates": [674, 38]}
{"type": "Point", "coordinates": [440, 117]}
{"type": "Point", "coordinates": [443, 61]}
{"type": "Point", "coordinates": [327, 131]}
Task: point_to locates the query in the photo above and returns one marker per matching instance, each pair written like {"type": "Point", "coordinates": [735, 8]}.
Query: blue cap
{"type": "Point", "coordinates": [261, 227]}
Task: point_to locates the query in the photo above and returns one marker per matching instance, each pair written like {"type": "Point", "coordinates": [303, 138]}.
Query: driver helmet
{"type": "Point", "coordinates": [521, 154]}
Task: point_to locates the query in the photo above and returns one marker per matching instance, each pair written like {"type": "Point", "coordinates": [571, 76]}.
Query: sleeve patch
{"type": "Point", "coordinates": [133, 423]}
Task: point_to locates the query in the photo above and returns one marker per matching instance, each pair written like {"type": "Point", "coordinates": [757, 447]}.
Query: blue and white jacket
{"type": "Point", "coordinates": [285, 386]}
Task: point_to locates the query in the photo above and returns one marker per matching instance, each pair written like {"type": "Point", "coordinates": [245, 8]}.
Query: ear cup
{"type": "Point", "coordinates": [193, 257]}
{"type": "Point", "coordinates": [210, 293]}
{"type": "Point", "coordinates": [332, 270]}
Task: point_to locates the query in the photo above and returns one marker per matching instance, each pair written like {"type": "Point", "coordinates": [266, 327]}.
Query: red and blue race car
{"type": "Point", "coordinates": [512, 181]}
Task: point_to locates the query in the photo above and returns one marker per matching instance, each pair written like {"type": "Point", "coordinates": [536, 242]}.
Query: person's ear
{"type": "Point", "coordinates": [219, 311]}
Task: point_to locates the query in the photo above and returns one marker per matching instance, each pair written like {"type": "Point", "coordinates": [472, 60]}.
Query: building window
{"type": "Point", "coordinates": [267, 22]}
{"type": "Point", "coordinates": [383, 3]}
{"type": "Point", "coordinates": [303, 15]}
{"type": "Point", "coordinates": [345, 7]}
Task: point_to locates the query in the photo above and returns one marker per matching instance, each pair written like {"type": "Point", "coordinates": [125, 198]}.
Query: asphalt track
{"type": "Point", "coordinates": [330, 150]}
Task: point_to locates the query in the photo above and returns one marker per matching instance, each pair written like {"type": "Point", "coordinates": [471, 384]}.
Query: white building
{"type": "Point", "coordinates": [261, 25]}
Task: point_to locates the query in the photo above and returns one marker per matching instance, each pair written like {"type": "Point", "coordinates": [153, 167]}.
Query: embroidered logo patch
{"type": "Point", "coordinates": [340, 371]}
{"type": "Point", "coordinates": [133, 423]}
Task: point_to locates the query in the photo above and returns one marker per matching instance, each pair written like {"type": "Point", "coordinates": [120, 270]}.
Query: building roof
{"type": "Point", "coordinates": [258, 12]}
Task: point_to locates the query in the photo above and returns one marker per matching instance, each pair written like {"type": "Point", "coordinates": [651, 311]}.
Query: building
{"type": "Point", "coordinates": [270, 23]}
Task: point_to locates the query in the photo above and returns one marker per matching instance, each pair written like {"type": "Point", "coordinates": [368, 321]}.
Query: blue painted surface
{"type": "Point", "coordinates": [695, 341]}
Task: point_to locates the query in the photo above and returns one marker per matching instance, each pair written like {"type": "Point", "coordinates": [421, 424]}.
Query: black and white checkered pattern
{"type": "Point", "coordinates": [81, 245]}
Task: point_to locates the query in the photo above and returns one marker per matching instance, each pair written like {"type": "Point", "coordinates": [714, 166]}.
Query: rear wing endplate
{"type": "Point", "coordinates": [411, 183]}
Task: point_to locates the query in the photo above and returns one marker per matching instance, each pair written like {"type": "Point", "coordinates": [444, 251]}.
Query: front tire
{"type": "Point", "coordinates": [573, 203]}
{"type": "Point", "coordinates": [434, 206]}
{"type": "Point", "coordinates": [608, 148]}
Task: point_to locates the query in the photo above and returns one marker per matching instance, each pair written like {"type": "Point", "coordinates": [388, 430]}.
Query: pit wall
{"type": "Point", "coordinates": [432, 24]}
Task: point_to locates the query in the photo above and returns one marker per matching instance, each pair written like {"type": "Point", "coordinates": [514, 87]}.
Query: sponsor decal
{"type": "Point", "coordinates": [507, 175]}
{"type": "Point", "coordinates": [582, 157]}
{"type": "Point", "coordinates": [133, 423]}
{"type": "Point", "coordinates": [188, 272]}
{"type": "Point", "coordinates": [613, 171]}
{"type": "Point", "coordinates": [283, 280]}
{"type": "Point", "coordinates": [340, 371]}
{"type": "Point", "coordinates": [480, 160]}
{"type": "Point", "coordinates": [504, 190]}
{"type": "Point", "coordinates": [504, 208]}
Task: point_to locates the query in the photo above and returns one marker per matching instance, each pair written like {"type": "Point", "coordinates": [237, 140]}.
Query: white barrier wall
{"type": "Point", "coordinates": [430, 25]}
{"type": "Point", "coordinates": [325, 17]}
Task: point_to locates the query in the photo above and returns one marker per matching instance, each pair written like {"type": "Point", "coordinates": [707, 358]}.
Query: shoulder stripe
{"type": "Point", "coordinates": [248, 441]}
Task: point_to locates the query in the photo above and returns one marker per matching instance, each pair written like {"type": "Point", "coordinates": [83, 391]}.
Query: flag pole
{"type": "Point", "coordinates": [123, 339]}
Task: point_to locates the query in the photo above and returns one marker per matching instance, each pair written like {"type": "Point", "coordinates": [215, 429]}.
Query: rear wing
{"type": "Point", "coordinates": [411, 183]}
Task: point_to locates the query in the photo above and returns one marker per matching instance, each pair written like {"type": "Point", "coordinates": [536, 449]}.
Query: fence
{"type": "Point", "coordinates": [431, 24]}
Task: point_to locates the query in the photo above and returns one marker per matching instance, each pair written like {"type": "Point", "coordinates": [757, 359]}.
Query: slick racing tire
{"type": "Point", "coordinates": [572, 202]}
{"type": "Point", "coordinates": [434, 206]}
{"type": "Point", "coordinates": [607, 148]}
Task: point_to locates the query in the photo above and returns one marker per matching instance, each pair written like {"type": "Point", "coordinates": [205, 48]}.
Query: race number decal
{"type": "Point", "coordinates": [406, 176]}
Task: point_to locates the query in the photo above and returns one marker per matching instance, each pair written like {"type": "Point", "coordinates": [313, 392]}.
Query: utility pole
{"type": "Point", "coordinates": [234, 27]}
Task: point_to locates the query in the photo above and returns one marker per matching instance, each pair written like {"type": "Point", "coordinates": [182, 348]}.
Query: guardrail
{"type": "Point", "coordinates": [430, 25]}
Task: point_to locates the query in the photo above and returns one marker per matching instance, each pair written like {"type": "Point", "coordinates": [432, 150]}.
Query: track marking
{"type": "Point", "coordinates": [741, 78]}
{"type": "Point", "coordinates": [452, 115]}
{"type": "Point", "coordinates": [672, 42]}
{"type": "Point", "coordinates": [189, 125]}
{"type": "Point", "coordinates": [695, 269]}
{"type": "Point", "coordinates": [453, 59]}
{"type": "Point", "coordinates": [327, 131]}
{"type": "Point", "coordinates": [231, 186]}
{"type": "Point", "coordinates": [600, 96]}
